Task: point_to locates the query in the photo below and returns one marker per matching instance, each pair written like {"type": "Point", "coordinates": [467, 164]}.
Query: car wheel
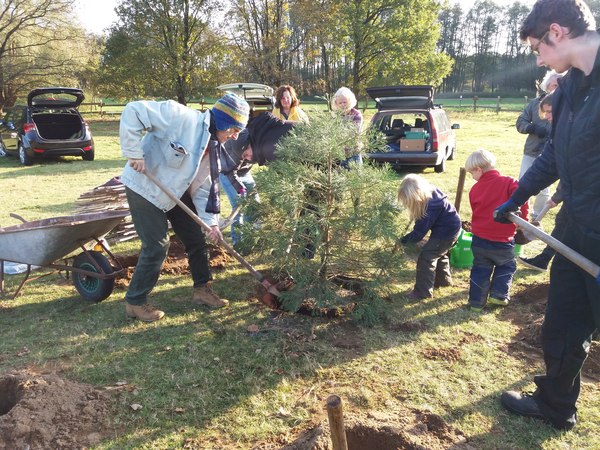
{"type": "Point", "coordinates": [441, 167]}
{"type": "Point", "coordinates": [89, 155]}
{"type": "Point", "coordinates": [25, 159]}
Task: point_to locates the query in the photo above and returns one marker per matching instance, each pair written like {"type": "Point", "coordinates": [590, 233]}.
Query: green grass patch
{"type": "Point", "coordinates": [205, 377]}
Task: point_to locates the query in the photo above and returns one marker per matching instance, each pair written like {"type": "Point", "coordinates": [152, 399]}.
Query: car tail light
{"type": "Point", "coordinates": [434, 138]}
{"type": "Point", "coordinates": [38, 150]}
{"type": "Point", "coordinates": [28, 127]}
{"type": "Point", "coordinates": [87, 149]}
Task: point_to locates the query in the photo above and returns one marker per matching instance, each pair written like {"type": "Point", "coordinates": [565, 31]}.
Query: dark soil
{"type": "Point", "coordinates": [176, 262]}
{"type": "Point", "coordinates": [47, 411]}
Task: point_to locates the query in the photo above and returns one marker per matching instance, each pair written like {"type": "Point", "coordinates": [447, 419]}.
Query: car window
{"type": "Point", "coordinates": [401, 121]}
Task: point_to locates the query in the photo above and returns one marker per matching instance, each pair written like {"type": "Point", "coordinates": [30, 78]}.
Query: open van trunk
{"type": "Point", "coordinates": [62, 126]}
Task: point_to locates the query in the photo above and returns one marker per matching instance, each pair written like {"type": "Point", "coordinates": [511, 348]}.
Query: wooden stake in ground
{"type": "Point", "coordinates": [459, 189]}
{"type": "Point", "coordinates": [336, 423]}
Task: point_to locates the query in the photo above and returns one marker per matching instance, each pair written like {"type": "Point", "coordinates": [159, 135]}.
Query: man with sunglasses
{"type": "Point", "coordinates": [562, 35]}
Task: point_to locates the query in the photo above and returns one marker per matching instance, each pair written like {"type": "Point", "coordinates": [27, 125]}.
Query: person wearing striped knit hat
{"type": "Point", "coordinates": [180, 146]}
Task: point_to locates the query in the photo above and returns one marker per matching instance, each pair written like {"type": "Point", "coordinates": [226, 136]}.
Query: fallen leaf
{"type": "Point", "coordinates": [283, 412]}
{"type": "Point", "coordinates": [136, 406]}
{"type": "Point", "coordinates": [121, 383]}
{"type": "Point", "coordinates": [253, 329]}
{"type": "Point", "coordinates": [24, 351]}
{"type": "Point", "coordinates": [179, 410]}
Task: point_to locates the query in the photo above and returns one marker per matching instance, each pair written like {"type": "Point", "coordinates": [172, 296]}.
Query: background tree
{"type": "Point", "coordinates": [162, 47]}
{"type": "Point", "coordinates": [39, 46]}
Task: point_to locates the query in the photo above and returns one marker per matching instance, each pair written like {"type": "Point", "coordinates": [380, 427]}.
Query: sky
{"type": "Point", "coordinates": [97, 15]}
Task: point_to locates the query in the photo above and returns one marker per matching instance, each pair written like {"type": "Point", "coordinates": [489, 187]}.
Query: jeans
{"type": "Point", "coordinates": [433, 266]}
{"type": "Point", "coordinates": [543, 196]}
{"type": "Point", "coordinates": [493, 268]}
{"type": "Point", "coordinates": [572, 316]}
{"type": "Point", "coordinates": [233, 197]}
{"type": "Point", "coordinates": [151, 226]}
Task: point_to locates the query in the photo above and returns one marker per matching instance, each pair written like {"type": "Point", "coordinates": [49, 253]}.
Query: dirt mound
{"type": "Point", "coordinates": [405, 430]}
{"type": "Point", "coordinates": [47, 411]}
{"type": "Point", "coordinates": [527, 312]}
{"type": "Point", "coordinates": [176, 262]}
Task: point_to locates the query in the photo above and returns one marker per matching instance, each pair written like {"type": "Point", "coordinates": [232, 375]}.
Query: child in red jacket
{"type": "Point", "coordinates": [493, 243]}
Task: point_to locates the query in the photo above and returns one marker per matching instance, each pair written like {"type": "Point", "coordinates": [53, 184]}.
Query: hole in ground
{"type": "Point", "coordinates": [9, 396]}
{"type": "Point", "coordinates": [362, 437]}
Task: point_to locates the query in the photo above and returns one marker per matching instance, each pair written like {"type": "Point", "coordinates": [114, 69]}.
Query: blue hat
{"type": "Point", "coordinates": [231, 111]}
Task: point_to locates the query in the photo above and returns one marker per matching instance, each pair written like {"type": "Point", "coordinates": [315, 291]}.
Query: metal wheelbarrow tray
{"type": "Point", "coordinates": [43, 242]}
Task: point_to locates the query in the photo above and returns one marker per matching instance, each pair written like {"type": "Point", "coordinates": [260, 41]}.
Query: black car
{"type": "Point", "coordinates": [50, 125]}
{"type": "Point", "coordinates": [417, 131]}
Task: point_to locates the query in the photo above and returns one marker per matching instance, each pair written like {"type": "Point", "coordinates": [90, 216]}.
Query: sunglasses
{"type": "Point", "coordinates": [535, 49]}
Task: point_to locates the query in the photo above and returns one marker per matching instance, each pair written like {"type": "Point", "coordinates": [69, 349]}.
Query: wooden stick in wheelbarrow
{"type": "Point", "coordinates": [255, 273]}
{"type": "Point", "coordinates": [576, 258]}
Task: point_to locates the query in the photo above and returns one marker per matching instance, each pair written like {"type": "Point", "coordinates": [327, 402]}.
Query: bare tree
{"type": "Point", "coordinates": [32, 50]}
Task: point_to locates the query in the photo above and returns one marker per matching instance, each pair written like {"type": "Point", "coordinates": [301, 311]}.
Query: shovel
{"type": "Point", "coordinates": [537, 223]}
{"type": "Point", "coordinates": [255, 273]}
{"type": "Point", "coordinates": [576, 258]}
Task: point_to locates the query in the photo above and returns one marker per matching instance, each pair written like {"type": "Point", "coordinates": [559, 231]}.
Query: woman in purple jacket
{"type": "Point", "coordinates": [430, 209]}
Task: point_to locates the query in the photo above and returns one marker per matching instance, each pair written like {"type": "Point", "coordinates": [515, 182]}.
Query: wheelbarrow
{"type": "Point", "coordinates": [44, 242]}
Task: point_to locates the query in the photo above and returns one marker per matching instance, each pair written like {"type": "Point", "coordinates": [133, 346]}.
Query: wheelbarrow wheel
{"type": "Point", "coordinates": [92, 288]}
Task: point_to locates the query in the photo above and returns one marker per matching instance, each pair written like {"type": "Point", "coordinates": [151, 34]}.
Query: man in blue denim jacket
{"type": "Point", "coordinates": [180, 146]}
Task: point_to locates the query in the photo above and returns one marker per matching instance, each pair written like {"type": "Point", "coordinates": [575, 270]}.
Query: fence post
{"type": "Point", "coordinates": [526, 100]}
{"type": "Point", "coordinates": [101, 108]}
{"type": "Point", "coordinates": [475, 98]}
{"type": "Point", "coordinates": [460, 102]}
{"type": "Point", "coordinates": [498, 106]}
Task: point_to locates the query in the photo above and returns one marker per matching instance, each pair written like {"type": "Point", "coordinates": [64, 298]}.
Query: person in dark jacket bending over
{"type": "Point", "coordinates": [254, 144]}
{"type": "Point", "coordinates": [430, 209]}
{"type": "Point", "coordinates": [562, 35]}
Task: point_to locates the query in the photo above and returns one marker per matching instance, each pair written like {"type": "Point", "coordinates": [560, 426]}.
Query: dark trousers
{"type": "Point", "coordinates": [560, 223]}
{"type": "Point", "coordinates": [493, 268]}
{"type": "Point", "coordinates": [433, 266]}
{"type": "Point", "coordinates": [151, 226]}
{"type": "Point", "coordinates": [572, 316]}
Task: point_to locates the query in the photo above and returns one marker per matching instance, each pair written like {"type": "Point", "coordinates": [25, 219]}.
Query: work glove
{"type": "Point", "coordinates": [539, 130]}
{"type": "Point", "coordinates": [501, 212]}
{"type": "Point", "coordinates": [243, 193]}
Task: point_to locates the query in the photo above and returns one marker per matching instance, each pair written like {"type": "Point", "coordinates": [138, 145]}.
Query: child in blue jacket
{"type": "Point", "coordinates": [430, 209]}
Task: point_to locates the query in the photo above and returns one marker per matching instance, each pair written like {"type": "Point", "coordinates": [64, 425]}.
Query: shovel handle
{"type": "Point", "coordinates": [255, 273]}
{"type": "Point", "coordinates": [576, 258]}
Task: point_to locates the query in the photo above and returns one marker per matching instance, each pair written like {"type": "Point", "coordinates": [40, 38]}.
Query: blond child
{"type": "Point", "coordinates": [493, 243]}
{"type": "Point", "coordinates": [430, 209]}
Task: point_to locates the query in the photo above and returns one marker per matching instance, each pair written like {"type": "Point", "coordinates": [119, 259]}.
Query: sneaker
{"type": "Point", "coordinates": [539, 262]}
{"type": "Point", "coordinates": [413, 296]}
{"type": "Point", "coordinates": [145, 312]}
{"type": "Point", "coordinates": [498, 301]}
{"type": "Point", "coordinates": [204, 295]}
{"type": "Point", "coordinates": [475, 308]}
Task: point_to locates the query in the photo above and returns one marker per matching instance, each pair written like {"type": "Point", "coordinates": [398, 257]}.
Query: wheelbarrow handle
{"type": "Point", "coordinates": [270, 287]}
{"type": "Point", "coordinates": [576, 258]}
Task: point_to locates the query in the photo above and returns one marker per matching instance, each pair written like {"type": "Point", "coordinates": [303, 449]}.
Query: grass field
{"type": "Point", "coordinates": [247, 377]}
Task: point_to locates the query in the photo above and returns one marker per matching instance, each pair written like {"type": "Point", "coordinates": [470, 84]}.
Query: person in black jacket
{"type": "Point", "coordinates": [256, 144]}
{"type": "Point", "coordinates": [562, 35]}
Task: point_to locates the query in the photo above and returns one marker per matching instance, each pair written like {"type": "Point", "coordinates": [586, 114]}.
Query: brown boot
{"type": "Point", "coordinates": [204, 295]}
{"type": "Point", "coordinates": [145, 312]}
